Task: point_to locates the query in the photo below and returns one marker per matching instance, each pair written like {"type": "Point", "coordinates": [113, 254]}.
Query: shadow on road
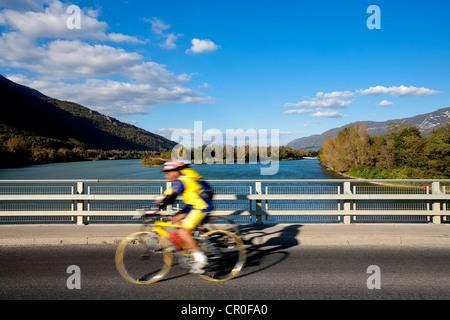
{"type": "Point", "coordinates": [266, 245]}
{"type": "Point", "coordinates": [265, 248]}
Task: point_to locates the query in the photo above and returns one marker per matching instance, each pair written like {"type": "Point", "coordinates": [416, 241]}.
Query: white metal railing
{"type": "Point", "coordinates": [346, 199]}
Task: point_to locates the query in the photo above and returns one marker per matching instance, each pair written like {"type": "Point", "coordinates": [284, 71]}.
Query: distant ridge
{"type": "Point", "coordinates": [32, 114]}
{"type": "Point", "coordinates": [424, 122]}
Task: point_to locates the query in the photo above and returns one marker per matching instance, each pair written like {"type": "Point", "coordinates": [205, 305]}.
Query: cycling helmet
{"type": "Point", "coordinates": [174, 165]}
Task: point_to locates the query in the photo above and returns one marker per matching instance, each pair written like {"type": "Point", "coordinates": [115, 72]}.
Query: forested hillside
{"type": "Point", "coordinates": [403, 153]}
{"type": "Point", "coordinates": [426, 123]}
{"type": "Point", "coordinates": [38, 129]}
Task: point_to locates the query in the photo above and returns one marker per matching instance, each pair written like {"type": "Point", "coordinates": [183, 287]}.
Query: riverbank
{"type": "Point", "coordinates": [153, 162]}
{"type": "Point", "coordinates": [380, 183]}
{"type": "Point", "coordinates": [244, 154]}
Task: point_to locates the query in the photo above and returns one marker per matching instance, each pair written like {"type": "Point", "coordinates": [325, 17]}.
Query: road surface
{"type": "Point", "coordinates": [272, 273]}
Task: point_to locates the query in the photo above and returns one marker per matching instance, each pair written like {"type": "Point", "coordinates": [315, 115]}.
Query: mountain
{"type": "Point", "coordinates": [31, 114]}
{"type": "Point", "coordinates": [424, 122]}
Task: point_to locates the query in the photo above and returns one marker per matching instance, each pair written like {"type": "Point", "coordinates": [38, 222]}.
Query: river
{"type": "Point", "coordinates": [132, 169]}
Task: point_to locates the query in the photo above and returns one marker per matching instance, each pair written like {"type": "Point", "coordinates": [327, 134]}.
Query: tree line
{"type": "Point", "coordinates": [222, 154]}
{"type": "Point", "coordinates": [18, 151]}
{"type": "Point", "coordinates": [403, 153]}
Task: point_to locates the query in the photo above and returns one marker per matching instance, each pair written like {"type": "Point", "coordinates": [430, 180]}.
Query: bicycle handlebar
{"type": "Point", "coordinates": [152, 213]}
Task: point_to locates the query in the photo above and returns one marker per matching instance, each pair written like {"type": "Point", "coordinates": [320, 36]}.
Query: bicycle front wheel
{"type": "Point", "coordinates": [142, 258]}
{"type": "Point", "coordinates": [226, 255]}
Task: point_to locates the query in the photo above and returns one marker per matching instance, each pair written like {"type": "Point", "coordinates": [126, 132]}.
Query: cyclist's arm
{"type": "Point", "coordinates": [169, 199]}
{"type": "Point", "coordinates": [172, 193]}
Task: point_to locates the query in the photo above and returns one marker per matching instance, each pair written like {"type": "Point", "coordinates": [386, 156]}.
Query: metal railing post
{"type": "Point", "coordinates": [347, 203]}
{"type": "Point", "coordinates": [258, 203]}
{"type": "Point", "coordinates": [436, 204]}
{"type": "Point", "coordinates": [80, 203]}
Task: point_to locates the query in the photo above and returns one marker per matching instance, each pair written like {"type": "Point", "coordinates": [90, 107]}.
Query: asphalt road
{"type": "Point", "coordinates": [272, 273]}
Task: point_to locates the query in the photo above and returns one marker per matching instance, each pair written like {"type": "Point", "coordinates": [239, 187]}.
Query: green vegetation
{"type": "Point", "coordinates": [36, 129]}
{"type": "Point", "coordinates": [400, 154]}
{"type": "Point", "coordinates": [237, 154]}
{"type": "Point", "coordinates": [112, 133]}
{"type": "Point", "coordinates": [20, 148]}
{"type": "Point", "coordinates": [155, 159]}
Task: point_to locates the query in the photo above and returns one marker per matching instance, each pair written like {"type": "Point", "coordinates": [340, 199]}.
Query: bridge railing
{"type": "Point", "coordinates": [324, 200]}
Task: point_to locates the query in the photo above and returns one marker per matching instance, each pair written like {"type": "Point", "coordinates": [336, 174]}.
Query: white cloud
{"type": "Point", "coordinates": [299, 111]}
{"type": "Point", "coordinates": [335, 99]}
{"type": "Point", "coordinates": [160, 28]}
{"type": "Point", "coordinates": [152, 72]}
{"type": "Point", "coordinates": [67, 56]}
{"type": "Point", "coordinates": [401, 91]}
{"type": "Point", "coordinates": [322, 104]}
{"type": "Point", "coordinates": [118, 37]}
{"type": "Point", "coordinates": [114, 97]}
{"type": "Point", "coordinates": [201, 46]}
{"type": "Point", "coordinates": [73, 58]}
{"type": "Point", "coordinates": [325, 103]}
{"type": "Point", "coordinates": [205, 85]}
{"type": "Point", "coordinates": [169, 43]}
{"type": "Point", "coordinates": [82, 59]}
{"type": "Point", "coordinates": [52, 23]}
{"type": "Point", "coordinates": [18, 51]}
{"type": "Point", "coordinates": [66, 66]}
{"type": "Point", "coordinates": [336, 95]}
{"type": "Point", "coordinates": [327, 113]}
{"type": "Point", "coordinates": [385, 103]}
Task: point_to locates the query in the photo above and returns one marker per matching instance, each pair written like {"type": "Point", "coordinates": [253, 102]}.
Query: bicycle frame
{"type": "Point", "coordinates": [159, 229]}
{"type": "Point", "coordinates": [160, 225]}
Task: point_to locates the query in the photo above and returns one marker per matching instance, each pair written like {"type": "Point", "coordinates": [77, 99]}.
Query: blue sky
{"type": "Point", "coordinates": [301, 67]}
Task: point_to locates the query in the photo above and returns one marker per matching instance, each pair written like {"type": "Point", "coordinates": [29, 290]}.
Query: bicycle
{"type": "Point", "coordinates": [146, 257]}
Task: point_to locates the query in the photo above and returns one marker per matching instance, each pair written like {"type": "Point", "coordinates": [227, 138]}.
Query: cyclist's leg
{"type": "Point", "coordinates": [188, 226]}
{"type": "Point", "coordinates": [181, 214]}
{"type": "Point", "coordinates": [176, 219]}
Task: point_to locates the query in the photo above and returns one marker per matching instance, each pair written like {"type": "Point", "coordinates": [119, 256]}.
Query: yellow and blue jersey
{"type": "Point", "coordinates": [197, 193]}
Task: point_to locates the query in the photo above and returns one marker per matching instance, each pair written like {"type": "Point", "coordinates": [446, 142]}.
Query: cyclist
{"type": "Point", "coordinates": [197, 195]}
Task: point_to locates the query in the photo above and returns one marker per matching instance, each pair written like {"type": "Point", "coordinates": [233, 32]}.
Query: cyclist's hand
{"type": "Point", "coordinates": [160, 199]}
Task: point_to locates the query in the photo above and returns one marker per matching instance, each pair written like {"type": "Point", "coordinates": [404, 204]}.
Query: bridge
{"type": "Point", "coordinates": [347, 201]}
{"type": "Point", "coordinates": [285, 261]}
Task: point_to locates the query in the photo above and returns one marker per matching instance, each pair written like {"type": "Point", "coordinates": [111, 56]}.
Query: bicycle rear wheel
{"type": "Point", "coordinates": [226, 255]}
{"type": "Point", "coordinates": [217, 222]}
{"type": "Point", "coordinates": [142, 258]}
